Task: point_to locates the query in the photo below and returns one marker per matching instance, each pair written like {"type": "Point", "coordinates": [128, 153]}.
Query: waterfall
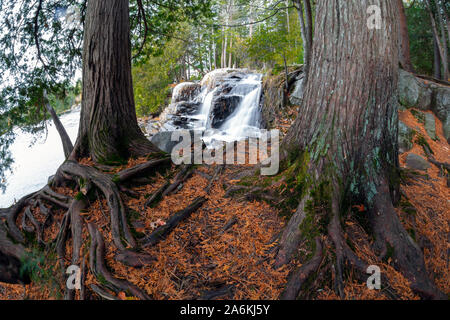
{"type": "Point", "coordinates": [245, 121]}
{"type": "Point", "coordinates": [225, 106]}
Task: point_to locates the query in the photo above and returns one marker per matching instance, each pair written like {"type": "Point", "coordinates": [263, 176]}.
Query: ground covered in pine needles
{"type": "Point", "coordinates": [224, 250]}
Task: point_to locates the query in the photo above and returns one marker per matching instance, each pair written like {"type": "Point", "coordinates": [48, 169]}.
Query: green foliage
{"type": "Point", "coordinates": [42, 270]}
{"type": "Point", "coordinates": [272, 46]}
{"type": "Point", "coordinates": [420, 37]}
{"type": "Point", "coordinates": [151, 79]}
{"type": "Point", "coordinates": [67, 99]}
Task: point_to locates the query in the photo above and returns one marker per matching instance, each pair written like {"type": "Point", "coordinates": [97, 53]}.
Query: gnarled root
{"type": "Point", "coordinates": [10, 256]}
{"type": "Point", "coordinates": [299, 276]}
{"type": "Point", "coordinates": [407, 256]}
{"type": "Point", "coordinates": [97, 265]}
{"type": "Point", "coordinates": [119, 225]}
{"type": "Point", "coordinates": [160, 233]}
{"type": "Point", "coordinates": [291, 237]}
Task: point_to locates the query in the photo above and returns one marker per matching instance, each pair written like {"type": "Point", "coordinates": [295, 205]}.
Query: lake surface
{"type": "Point", "coordinates": [34, 164]}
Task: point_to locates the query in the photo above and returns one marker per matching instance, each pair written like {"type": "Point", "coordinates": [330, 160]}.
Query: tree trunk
{"type": "Point", "coordinates": [442, 46]}
{"type": "Point", "coordinates": [436, 61]}
{"type": "Point", "coordinates": [288, 21]}
{"type": "Point", "coordinates": [347, 133]}
{"type": "Point", "coordinates": [230, 60]}
{"type": "Point", "coordinates": [109, 131]}
{"type": "Point", "coordinates": [66, 142]}
{"type": "Point", "coordinates": [405, 56]}
{"type": "Point", "coordinates": [305, 18]}
{"type": "Point", "coordinates": [444, 38]}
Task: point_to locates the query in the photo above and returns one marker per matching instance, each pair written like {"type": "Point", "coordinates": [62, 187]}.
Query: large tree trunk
{"type": "Point", "coordinates": [109, 131]}
{"type": "Point", "coordinates": [405, 56]}
{"type": "Point", "coordinates": [347, 133]}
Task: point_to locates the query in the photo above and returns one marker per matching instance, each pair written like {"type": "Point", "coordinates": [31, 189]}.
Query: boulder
{"type": "Point", "coordinates": [430, 126]}
{"type": "Point", "coordinates": [189, 108]}
{"type": "Point", "coordinates": [186, 91]}
{"type": "Point", "coordinates": [163, 140]}
{"type": "Point", "coordinates": [413, 92]}
{"type": "Point", "coordinates": [416, 162]}
{"type": "Point", "coordinates": [218, 76]}
{"type": "Point", "coordinates": [405, 137]}
{"type": "Point", "coordinates": [274, 99]}
{"type": "Point", "coordinates": [222, 107]}
{"type": "Point", "coordinates": [296, 96]}
{"type": "Point", "coordinates": [441, 108]}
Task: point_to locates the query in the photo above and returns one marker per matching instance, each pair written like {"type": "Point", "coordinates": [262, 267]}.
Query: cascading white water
{"type": "Point", "coordinates": [227, 103]}
{"type": "Point", "coordinates": [245, 120]}
{"type": "Point", "coordinates": [206, 108]}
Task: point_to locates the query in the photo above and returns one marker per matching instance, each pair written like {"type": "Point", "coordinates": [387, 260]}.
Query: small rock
{"type": "Point", "coordinates": [416, 162]}
{"type": "Point", "coordinates": [430, 126]}
{"type": "Point", "coordinates": [296, 96]}
{"type": "Point", "coordinates": [405, 137]}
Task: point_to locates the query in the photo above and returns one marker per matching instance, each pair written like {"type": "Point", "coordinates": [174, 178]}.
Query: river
{"type": "Point", "coordinates": [33, 164]}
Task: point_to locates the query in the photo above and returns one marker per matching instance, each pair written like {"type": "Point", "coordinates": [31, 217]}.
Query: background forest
{"type": "Point", "coordinates": [259, 35]}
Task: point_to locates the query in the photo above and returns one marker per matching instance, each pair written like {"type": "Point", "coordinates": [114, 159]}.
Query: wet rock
{"type": "Point", "coordinates": [163, 140]}
{"type": "Point", "coordinates": [296, 96]}
{"type": "Point", "coordinates": [405, 137]}
{"type": "Point", "coordinates": [188, 107]}
{"type": "Point", "coordinates": [222, 107]}
{"type": "Point", "coordinates": [218, 76]}
{"type": "Point", "coordinates": [186, 91]}
{"type": "Point", "coordinates": [416, 162]}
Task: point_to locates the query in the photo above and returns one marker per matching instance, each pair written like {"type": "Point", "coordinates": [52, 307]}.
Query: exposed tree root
{"type": "Point", "coordinates": [10, 257]}
{"type": "Point", "coordinates": [407, 256]}
{"type": "Point", "coordinates": [98, 267]}
{"type": "Point", "coordinates": [139, 170]}
{"type": "Point", "coordinates": [184, 174]}
{"type": "Point", "coordinates": [291, 237]}
{"type": "Point", "coordinates": [229, 225]}
{"type": "Point", "coordinates": [301, 275]}
{"type": "Point", "coordinates": [387, 230]}
{"type": "Point", "coordinates": [160, 233]}
{"type": "Point", "coordinates": [103, 293]}
{"type": "Point", "coordinates": [221, 292]}
{"type": "Point", "coordinates": [156, 196]}
{"type": "Point", "coordinates": [119, 226]}
{"type": "Point", "coordinates": [134, 259]}
{"type": "Point", "coordinates": [217, 171]}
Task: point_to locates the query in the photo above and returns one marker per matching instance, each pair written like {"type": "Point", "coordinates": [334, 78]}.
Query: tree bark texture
{"type": "Point", "coordinates": [108, 128]}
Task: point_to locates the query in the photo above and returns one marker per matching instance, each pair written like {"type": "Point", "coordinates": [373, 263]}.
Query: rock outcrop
{"type": "Point", "coordinates": [417, 93]}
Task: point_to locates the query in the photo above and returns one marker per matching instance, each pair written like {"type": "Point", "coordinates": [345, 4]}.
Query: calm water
{"type": "Point", "coordinates": [34, 164]}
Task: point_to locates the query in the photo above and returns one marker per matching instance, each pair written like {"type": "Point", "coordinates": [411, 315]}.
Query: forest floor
{"type": "Point", "coordinates": [224, 250]}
